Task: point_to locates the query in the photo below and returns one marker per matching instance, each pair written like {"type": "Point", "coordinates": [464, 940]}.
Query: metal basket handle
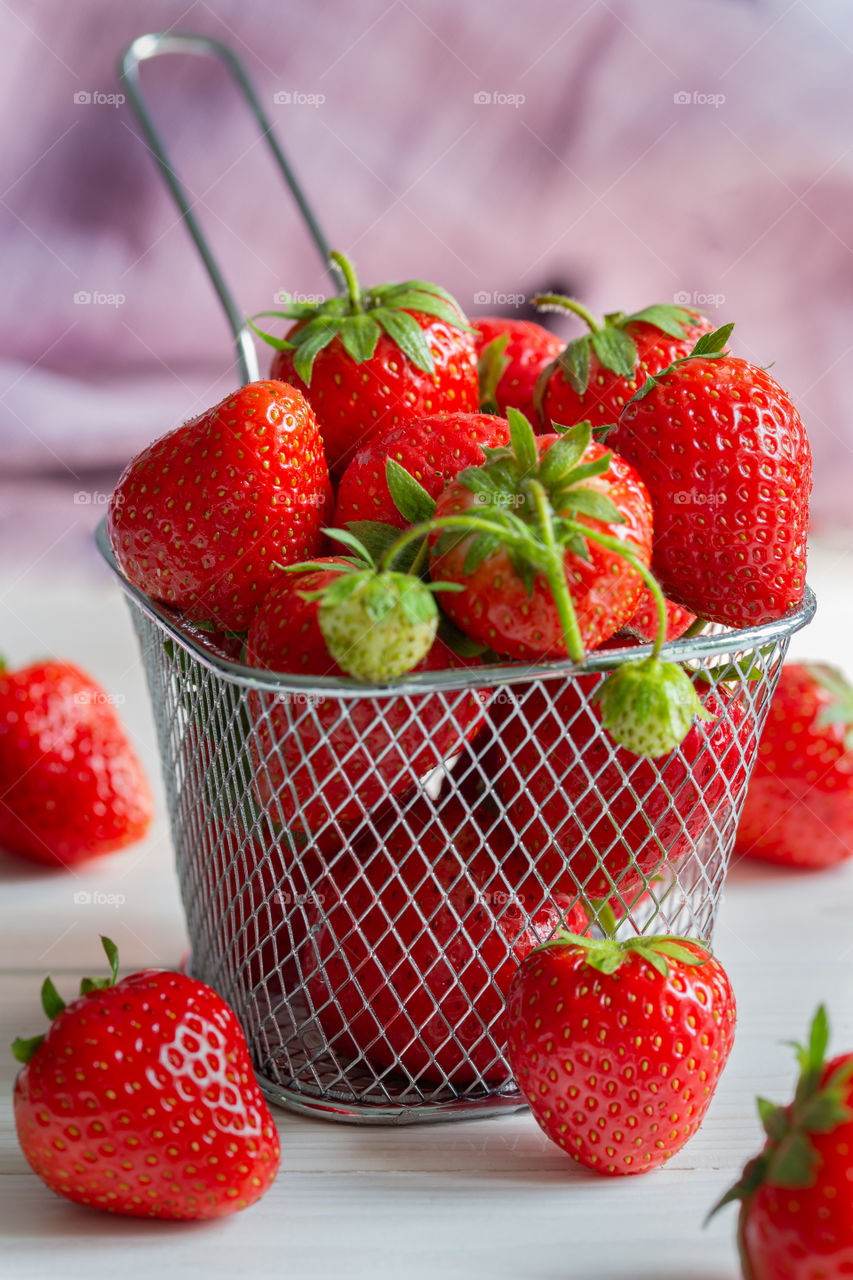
{"type": "Point", "coordinates": [152, 46]}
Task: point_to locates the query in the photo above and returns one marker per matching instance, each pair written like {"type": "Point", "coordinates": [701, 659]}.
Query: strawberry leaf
{"type": "Point", "coordinates": [408, 495]}
{"type": "Point", "coordinates": [23, 1050]}
{"type": "Point", "coordinates": [428, 304]}
{"type": "Point", "coordinates": [405, 331]}
{"type": "Point", "coordinates": [574, 362]}
{"type": "Point", "coordinates": [377, 538]}
{"type": "Point", "coordinates": [310, 341]}
{"type": "Point", "coordinates": [523, 441]}
{"type": "Point", "coordinates": [616, 351]}
{"type": "Point", "coordinates": [589, 502]}
{"type": "Point", "coordinates": [280, 344]}
{"type": "Point", "coordinates": [360, 334]}
{"type": "Point", "coordinates": [711, 344]}
{"type": "Point", "coordinates": [664, 316]}
{"type": "Point", "coordinates": [491, 366]}
{"type": "Point", "coordinates": [51, 1000]}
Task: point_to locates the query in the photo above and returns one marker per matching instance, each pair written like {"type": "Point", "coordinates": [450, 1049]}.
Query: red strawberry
{"type": "Point", "coordinates": [644, 624]}
{"type": "Point", "coordinates": [420, 934]}
{"type": "Point", "coordinates": [433, 450]}
{"type": "Point", "coordinates": [373, 358]}
{"type": "Point", "coordinates": [596, 375]}
{"type": "Point", "coordinates": [71, 786]}
{"type": "Point", "coordinates": [593, 818]}
{"type": "Point", "coordinates": [204, 518]}
{"type": "Point", "coordinates": [618, 1046]}
{"type": "Point", "coordinates": [799, 806]}
{"type": "Point", "coordinates": [726, 459]}
{"type": "Point", "coordinates": [509, 601]}
{"type": "Point", "coordinates": [141, 1100]}
{"type": "Point", "coordinates": [796, 1215]}
{"type": "Point", "coordinates": [326, 762]}
{"type": "Point", "coordinates": [510, 368]}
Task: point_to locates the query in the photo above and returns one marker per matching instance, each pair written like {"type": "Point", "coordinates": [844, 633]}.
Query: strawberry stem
{"type": "Point", "coordinates": [556, 573]}
{"type": "Point", "coordinates": [614, 544]}
{"type": "Point", "coordinates": [350, 280]}
{"type": "Point", "coordinates": [559, 302]}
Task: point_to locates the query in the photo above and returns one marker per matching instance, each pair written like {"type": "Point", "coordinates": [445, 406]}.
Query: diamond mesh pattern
{"type": "Point", "coordinates": [339, 895]}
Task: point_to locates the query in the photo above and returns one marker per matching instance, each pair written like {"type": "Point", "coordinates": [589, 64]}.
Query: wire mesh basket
{"type": "Point", "coordinates": [362, 869]}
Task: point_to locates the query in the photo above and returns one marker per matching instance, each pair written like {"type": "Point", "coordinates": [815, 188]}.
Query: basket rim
{"type": "Point", "coordinates": [730, 641]}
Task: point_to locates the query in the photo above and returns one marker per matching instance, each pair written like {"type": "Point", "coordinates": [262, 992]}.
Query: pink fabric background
{"type": "Point", "coordinates": [599, 178]}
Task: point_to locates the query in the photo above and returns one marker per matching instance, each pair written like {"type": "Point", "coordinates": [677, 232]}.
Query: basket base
{"type": "Point", "coordinates": [365, 1114]}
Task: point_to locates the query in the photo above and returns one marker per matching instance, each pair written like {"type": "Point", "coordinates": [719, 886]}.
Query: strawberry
{"type": "Point", "coordinates": [644, 624]}
{"type": "Point", "coordinates": [726, 459]}
{"type": "Point", "coordinates": [593, 819]}
{"type": "Point", "coordinates": [419, 937]}
{"type": "Point", "coordinates": [618, 1046]}
{"type": "Point", "coordinates": [597, 374]}
{"type": "Point", "coordinates": [796, 1196]}
{"type": "Point", "coordinates": [362, 749]}
{"type": "Point", "coordinates": [369, 359]}
{"type": "Point", "coordinates": [512, 355]}
{"type": "Point", "coordinates": [560, 567]}
{"type": "Point", "coordinates": [799, 806]}
{"type": "Point", "coordinates": [71, 786]}
{"type": "Point", "coordinates": [141, 1100]}
{"type": "Point", "coordinates": [205, 518]}
{"type": "Point", "coordinates": [433, 450]}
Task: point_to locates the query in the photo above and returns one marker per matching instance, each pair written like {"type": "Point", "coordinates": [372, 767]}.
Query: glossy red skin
{"type": "Point", "coordinates": [421, 1007]}
{"type": "Point", "coordinates": [131, 1079]}
{"type": "Point", "coordinates": [530, 347]}
{"type": "Point", "coordinates": [433, 450]}
{"type": "Point", "coordinates": [71, 786]}
{"type": "Point", "coordinates": [495, 610]}
{"type": "Point", "coordinates": [799, 806]}
{"type": "Point", "coordinates": [805, 1233]}
{"type": "Point", "coordinates": [607, 393]}
{"type": "Point", "coordinates": [615, 1105]}
{"type": "Point", "coordinates": [587, 836]}
{"type": "Point", "coordinates": [727, 462]}
{"type": "Point", "coordinates": [363, 749]}
{"type": "Point", "coordinates": [644, 623]}
{"type": "Point", "coordinates": [204, 518]}
{"type": "Point", "coordinates": [355, 401]}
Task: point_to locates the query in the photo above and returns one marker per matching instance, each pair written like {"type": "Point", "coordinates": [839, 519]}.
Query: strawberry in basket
{"type": "Point", "coordinates": [371, 358]}
{"type": "Point", "coordinates": [205, 518]}
{"type": "Point", "coordinates": [725, 456]}
{"type": "Point", "coordinates": [512, 355]}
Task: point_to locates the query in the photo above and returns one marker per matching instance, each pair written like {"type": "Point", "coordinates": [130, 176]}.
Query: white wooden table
{"type": "Point", "coordinates": [488, 1198]}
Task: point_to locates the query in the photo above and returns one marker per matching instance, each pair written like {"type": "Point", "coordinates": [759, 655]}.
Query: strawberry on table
{"type": "Point", "coordinates": [796, 1196]}
{"type": "Point", "coordinates": [512, 355]}
{"type": "Point", "coordinates": [371, 358]}
{"type": "Point", "coordinates": [71, 786]}
{"type": "Point", "coordinates": [799, 806]}
{"type": "Point", "coordinates": [725, 456]}
{"type": "Point", "coordinates": [618, 1046]}
{"type": "Point", "coordinates": [596, 374]}
{"type": "Point", "coordinates": [205, 518]}
{"type": "Point", "coordinates": [433, 450]}
{"type": "Point", "coordinates": [141, 1100]}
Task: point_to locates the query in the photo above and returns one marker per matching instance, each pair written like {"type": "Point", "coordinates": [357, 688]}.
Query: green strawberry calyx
{"type": "Point", "coordinates": [840, 710]}
{"type": "Point", "coordinates": [358, 316]}
{"type": "Point", "coordinates": [608, 339]}
{"type": "Point", "coordinates": [491, 367]}
{"type": "Point", "coordinates": [53, 1004]}
{"type": "Point", "coordinates": [789, 1157]}
{"type": "Point", "coordinates": [378, 623]}
{"type": "Point", "coordinates": [606, 955]}
{"type": "Point", "coordinates": [709, 346]}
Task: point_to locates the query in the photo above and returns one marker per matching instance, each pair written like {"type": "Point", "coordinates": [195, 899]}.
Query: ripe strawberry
{"type": "Point", "coordinates": [592, 817]}
{"type": "Point", "coordinates": [361, 749]}
{"type": "Point", "coordinates": [420, 934]}
{"type": "Point", "coordinates": [726, 459]}
{"type": "Point", "coordinates": [205, 518]}
{"type": "Point", "coordinates": [598, 373]}
{"type": "Point", "coordinates": [372, 358]}
{"type": "Point", "coordinates": [71, 786]}
{"type": "Point", "coordinates": [433, 450]}
{"type": "Point", "coordinates": [618, 1046]}
{"type": "Point", "coordinates": [644, 624]}
{"type": "Point", "coordinates": [796, 1214]}
{"type": "Point", "coordinates": [799, 806]}
{"type": "Point", "coordinates": [523, 581]}
{"type": "Point", "coordinates": [140, 1100]}
{"type": "Point", "coordinates": [512, 355]}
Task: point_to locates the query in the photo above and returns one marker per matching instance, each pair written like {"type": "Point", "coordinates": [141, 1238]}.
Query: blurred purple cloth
{"type": "Point", "coordinates": [695, 150]}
